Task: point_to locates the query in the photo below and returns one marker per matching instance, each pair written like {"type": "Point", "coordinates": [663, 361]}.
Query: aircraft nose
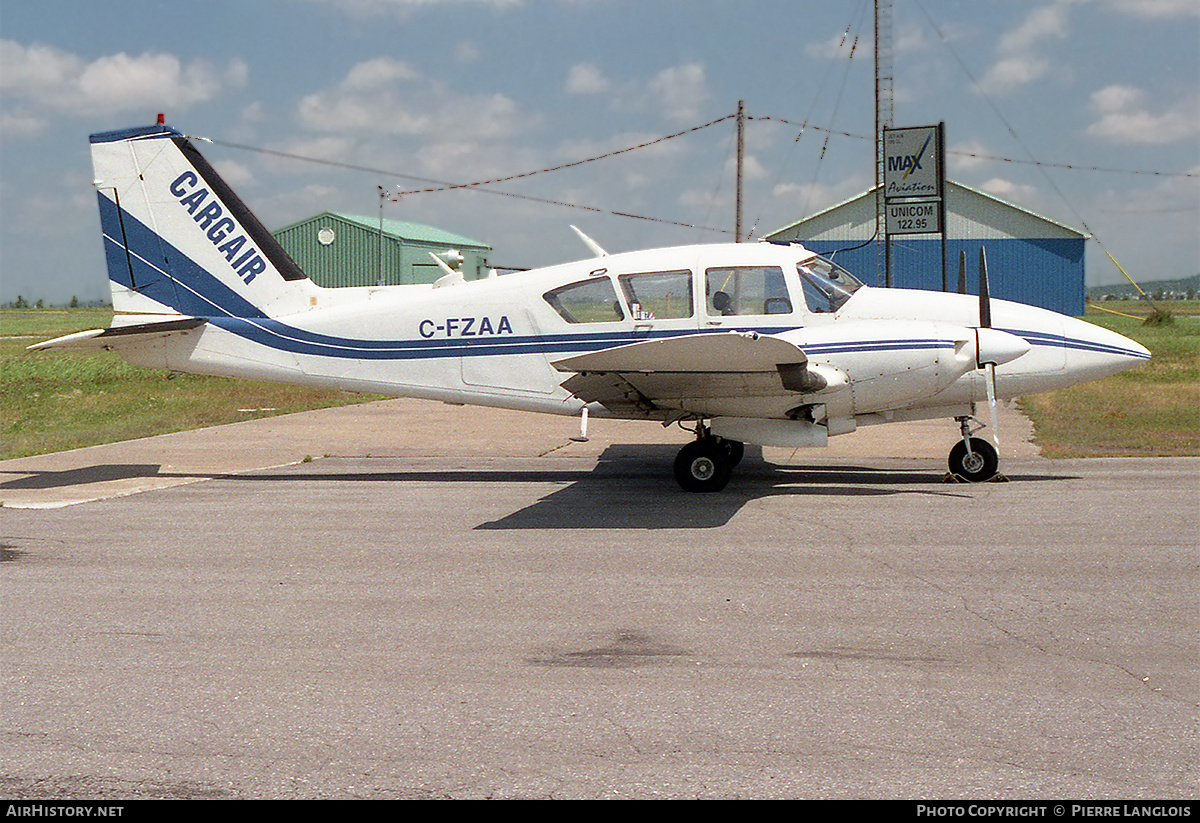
{"type": "Point", "coordinates": [1094, 351]}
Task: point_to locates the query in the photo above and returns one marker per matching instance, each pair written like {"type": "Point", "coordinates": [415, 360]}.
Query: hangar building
{"type": "Point", "coordinates": [345, 250]}
{"type": "Point", "coordinates": [1031, 259]}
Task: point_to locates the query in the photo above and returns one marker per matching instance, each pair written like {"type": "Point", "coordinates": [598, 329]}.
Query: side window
{"type": "Point", "coordinates": [660, 295]}
{"type": "Point", "coordinates": [746, 290]}
{"type": "Point", "coordinates": [592, 301]}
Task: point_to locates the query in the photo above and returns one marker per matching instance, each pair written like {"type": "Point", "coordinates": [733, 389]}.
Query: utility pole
{"type": "Point", "coordinates": [741, 147]}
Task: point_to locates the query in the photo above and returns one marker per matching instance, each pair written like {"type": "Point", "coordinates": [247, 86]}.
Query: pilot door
{"type": "Point", "coordinates": [747, 297]}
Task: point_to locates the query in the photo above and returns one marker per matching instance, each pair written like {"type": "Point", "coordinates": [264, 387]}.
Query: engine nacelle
{"type": "Point", "coordinates": [891, 364]}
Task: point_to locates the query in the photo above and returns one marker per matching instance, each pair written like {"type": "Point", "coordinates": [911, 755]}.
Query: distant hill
{"type": "Point", "coordinates": [1187, 287]}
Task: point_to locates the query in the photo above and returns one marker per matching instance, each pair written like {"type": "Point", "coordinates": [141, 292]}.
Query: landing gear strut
{"type": "Point", "coordinates": [706, 464]}
{"type": "Point", "coordinates": [973, 458]}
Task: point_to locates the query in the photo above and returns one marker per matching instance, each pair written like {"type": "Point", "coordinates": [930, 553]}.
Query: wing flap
{"type": "Point", "coordinates": [613, 392]}
{"type": "Point", "coordinates": [688, 373]}
{"type": "Point", "coordinates": [695, 353]}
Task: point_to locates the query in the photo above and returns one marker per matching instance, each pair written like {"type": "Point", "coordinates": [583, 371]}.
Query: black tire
{"type": "Point", "coordinates": [703, 466]}
{"type": "Point", "coordinates": [979, 465]}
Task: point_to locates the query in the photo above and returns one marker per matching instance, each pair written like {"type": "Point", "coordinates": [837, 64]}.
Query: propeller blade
{"type": "Point", "coordinates": [962, 271]}
{"type": "Point", "coordinates": [985, 300]}
{"type": "Point", "coordinates": [985, 322]}
{"type": "Point", "coordinates": [991, 390]}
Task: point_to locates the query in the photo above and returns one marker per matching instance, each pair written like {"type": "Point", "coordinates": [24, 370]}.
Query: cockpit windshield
{"type": "Point", "coordinates": [827, 286]}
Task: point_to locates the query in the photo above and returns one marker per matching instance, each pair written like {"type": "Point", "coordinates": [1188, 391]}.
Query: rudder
{"type": "Point", "coordinates": [178, 240]}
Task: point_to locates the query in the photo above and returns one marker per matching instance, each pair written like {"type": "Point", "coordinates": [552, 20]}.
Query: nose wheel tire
{"type": "Point", "coordinates": [703, 465]}
{"type": "Point", "coordinates": [979, 464]}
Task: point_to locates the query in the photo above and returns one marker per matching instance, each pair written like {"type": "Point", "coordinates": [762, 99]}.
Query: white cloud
{"type": "Point", "coordinates": [1011, 73]}
{"type": "Point", "coordinates": [809, 198]}
{"type": "Point", "coordinates": [1156, 9]}
{"type": "Point", "coordinates": [1019, 63]}
{"type": "Point", "coordinates": [1038, 25]}
{"type": "Point", "coordinates": [969, 155]}
{"type": "Point", "coordinates": [377, 73]}
{"type": "Point", "coordinates": [1124, 118]}
{"type": "Point", "coordinates": [237, 175]}
{"type": "Point", "coordinates": [752, 168]}
{"type": "Point", "coordinates": [586, 78]}
{"type": "Point", "coordinates": [1015, 193]}
{"type": "Point", "coordinates": [389, 96]}
{"type": "Point", "coordinates": [467, 52]}
{"type": "Point", "coordinates": [1024, 53]}
{"type": "Point", "coordinates": [39, 81]}
{"type": "Point", "coordinates": [35, 69]}
{"type": "Point", "coordinates": [679, 91]}
{"type": "Point", "coordinates": [16, 126]}
{"type": "Point", "coordinates": [371, 7]}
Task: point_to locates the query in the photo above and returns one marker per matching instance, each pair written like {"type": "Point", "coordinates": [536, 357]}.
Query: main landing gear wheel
{"type": "Point", "coordinates": [704, 465]}
{"type": "Point", "coordinates": [977, 465]}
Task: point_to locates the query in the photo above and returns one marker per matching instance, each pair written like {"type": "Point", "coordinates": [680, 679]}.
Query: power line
{"type": "Point", "coordinates": [449, 186]}
{"type": "Point", "coordinates": [977, 155]}
{"type": "Point", "coordinates": [434, 185]}
{"type": "Point", "coordinates": [445, 186]}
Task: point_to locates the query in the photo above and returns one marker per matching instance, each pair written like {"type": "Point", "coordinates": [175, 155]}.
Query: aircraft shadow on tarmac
{"type": "Point", "coordinates": [83, 476]}
{"type": "Point", "coordinates": [630, 486]}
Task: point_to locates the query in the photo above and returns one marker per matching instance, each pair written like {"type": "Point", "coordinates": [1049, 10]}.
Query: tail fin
{"type": "Point", "coordinates": [178, 240]}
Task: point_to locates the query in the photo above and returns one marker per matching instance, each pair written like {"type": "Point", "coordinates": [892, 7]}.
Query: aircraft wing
{"type": "Point", "coordinates": [680, 373]}
{"type": "Point", "coordinates": [98, 339]}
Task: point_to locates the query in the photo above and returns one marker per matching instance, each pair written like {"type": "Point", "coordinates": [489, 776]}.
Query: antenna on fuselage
{"type": "Point", "coordinates": [590, 243]}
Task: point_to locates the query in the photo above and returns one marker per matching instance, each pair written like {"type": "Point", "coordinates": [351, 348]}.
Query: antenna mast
{"type": "Point", "coordinates": [883, 120]}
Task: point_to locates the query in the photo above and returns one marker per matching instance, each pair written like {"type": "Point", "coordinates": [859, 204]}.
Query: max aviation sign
{"type": "Point", "coordinates": [912, 179]}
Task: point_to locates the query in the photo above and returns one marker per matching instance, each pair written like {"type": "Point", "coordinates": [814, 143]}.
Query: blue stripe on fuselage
{"type": "Point", "coordinates": [277, 335]}
{"type": "Point", "coordinates": [1044, 339]}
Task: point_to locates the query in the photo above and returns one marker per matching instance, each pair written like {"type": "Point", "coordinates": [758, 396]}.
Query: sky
{"type": "Point", "coordinates": [1086, 112]}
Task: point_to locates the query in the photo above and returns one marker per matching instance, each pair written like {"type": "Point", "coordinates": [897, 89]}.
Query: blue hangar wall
{"type": "Point", "coordinates": [1031, 259]}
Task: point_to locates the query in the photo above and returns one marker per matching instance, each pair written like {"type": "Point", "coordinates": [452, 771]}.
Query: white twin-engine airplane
{"type": "Point", "coordinates": [757, 343]}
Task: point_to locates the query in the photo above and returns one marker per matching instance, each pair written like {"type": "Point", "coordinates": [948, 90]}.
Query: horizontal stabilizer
{"type": "Point", "coordinates": [101, 339]}
{"type": "Point", "coordinates": [730, 352]}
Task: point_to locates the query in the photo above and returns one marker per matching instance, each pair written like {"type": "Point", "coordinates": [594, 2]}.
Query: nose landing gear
{"type": "Point", "coordinates": [973, 458]}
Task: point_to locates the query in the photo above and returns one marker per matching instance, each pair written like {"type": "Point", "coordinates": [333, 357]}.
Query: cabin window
{"type": "Point", "coordinates": [827, 286]}
{"type": "Point", "coordinates": [660, 295]}
{"type": "Point", "coordinates": [746, 290]}
{"type": "Point", "coordinates": [592, 301]}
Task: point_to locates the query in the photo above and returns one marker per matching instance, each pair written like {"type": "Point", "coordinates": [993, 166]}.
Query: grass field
{"type": "Point", "coordinates": [1151, 410]}
{"type": "Point", "coordinates": [51, 401]}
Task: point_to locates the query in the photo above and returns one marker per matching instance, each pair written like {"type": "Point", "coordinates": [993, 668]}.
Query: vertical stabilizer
{"type": "Point", "coordinates": [178, 240]}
